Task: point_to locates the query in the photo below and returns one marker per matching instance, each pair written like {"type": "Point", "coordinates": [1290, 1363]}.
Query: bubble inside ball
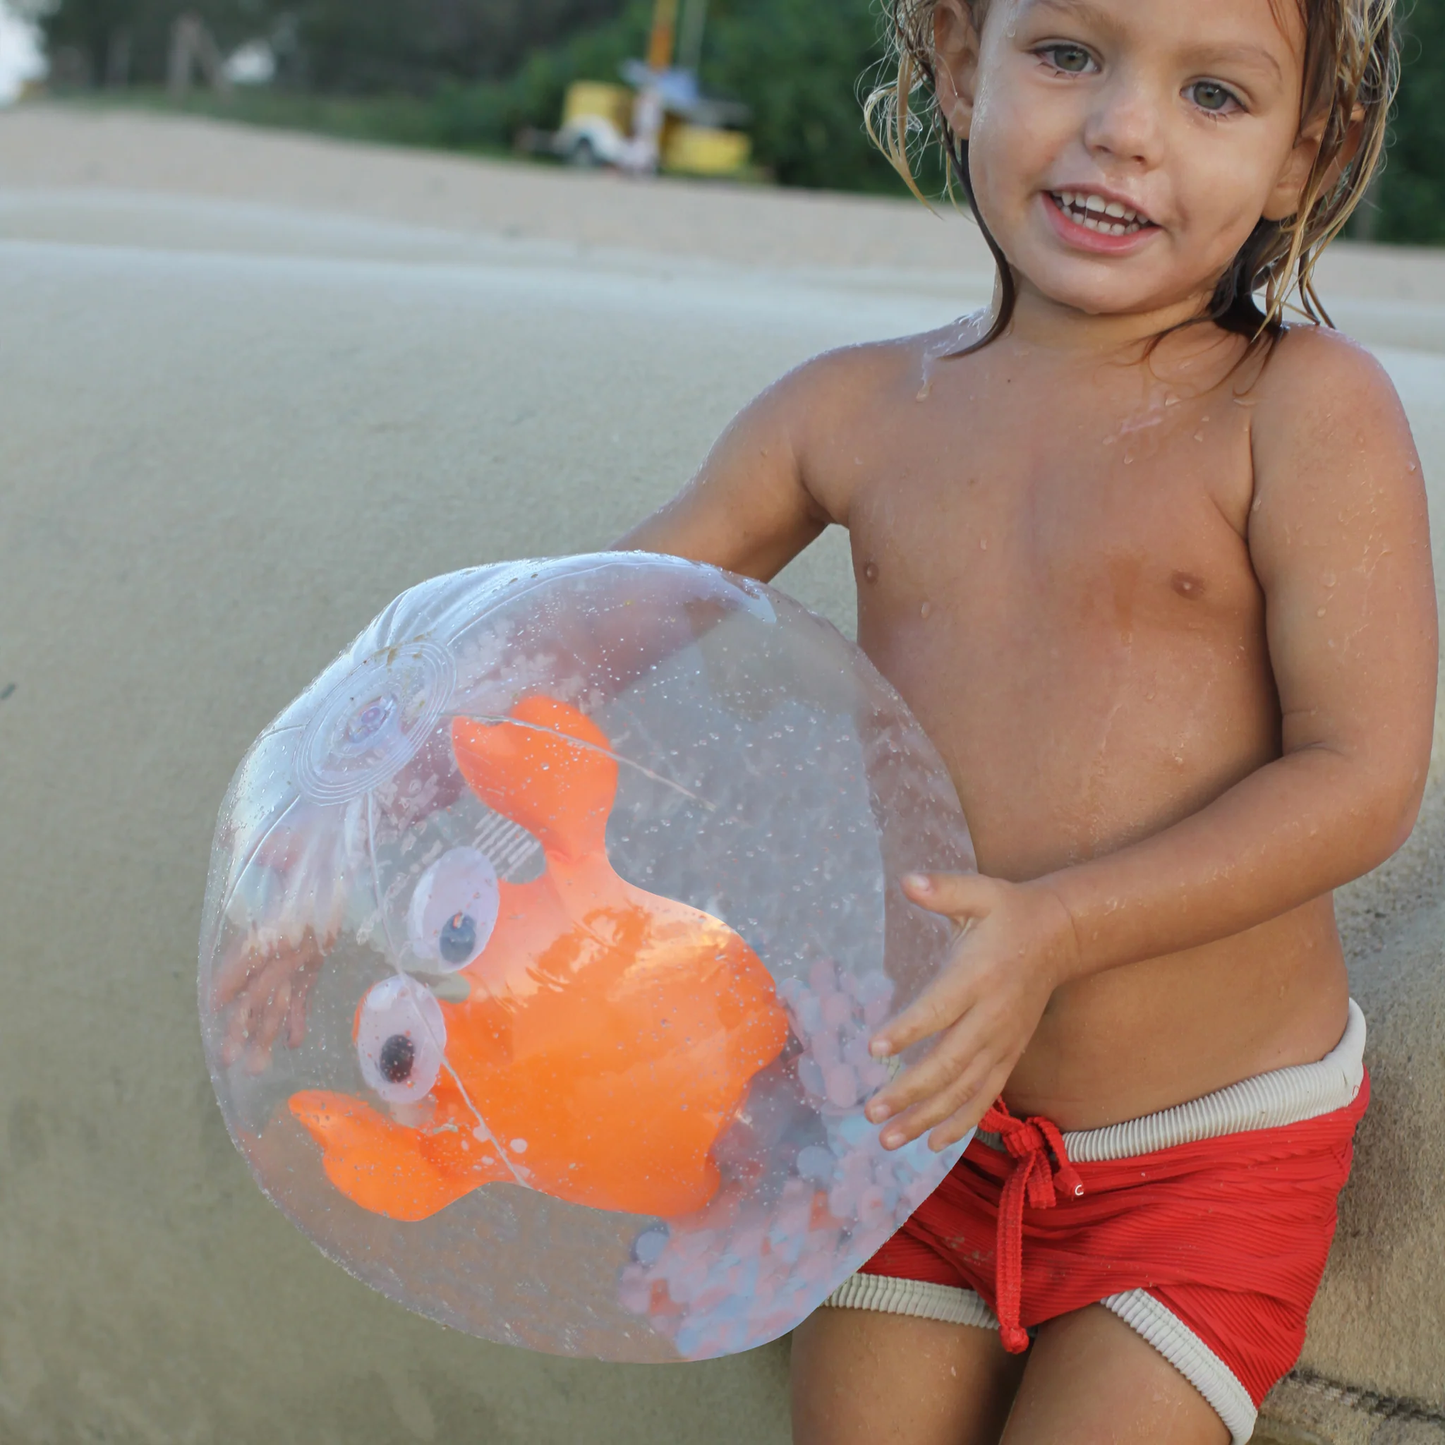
{"type": "Point", "coordinates": [585, 873]}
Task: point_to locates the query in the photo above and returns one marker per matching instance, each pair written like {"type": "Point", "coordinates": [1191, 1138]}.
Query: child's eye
{"type": "Point", "coordinates": [1071, 59]}
{"type": "Point", "coordinates": [1210, 96]}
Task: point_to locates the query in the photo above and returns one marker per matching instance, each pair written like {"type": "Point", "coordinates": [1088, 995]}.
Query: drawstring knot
{"type": "Point", "coordinates": [1033, 1177]}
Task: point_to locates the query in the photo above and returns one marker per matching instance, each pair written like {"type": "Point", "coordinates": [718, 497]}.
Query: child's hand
{"type": "Point", "coordinates": [265, 988]}
{"type": "Point", "coordinates": [1015, 947]}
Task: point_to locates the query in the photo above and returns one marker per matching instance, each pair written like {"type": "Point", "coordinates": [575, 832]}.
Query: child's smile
{"type": "Point", "coordinates": [1094, 221]}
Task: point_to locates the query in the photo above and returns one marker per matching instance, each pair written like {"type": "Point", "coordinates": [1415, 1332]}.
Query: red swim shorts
{"type": "Point", "coordinates": [1204, 1227]}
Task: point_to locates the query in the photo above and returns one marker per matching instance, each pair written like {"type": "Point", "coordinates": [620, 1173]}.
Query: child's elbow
{"type": "Point", "coordinates": [1396, 807]}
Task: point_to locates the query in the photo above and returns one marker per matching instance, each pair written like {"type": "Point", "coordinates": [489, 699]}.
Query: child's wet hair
{"type": "Point", "coordinates": [1350, 66]}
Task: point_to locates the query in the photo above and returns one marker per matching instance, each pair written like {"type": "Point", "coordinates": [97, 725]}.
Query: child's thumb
{"type": "Point", "coordinates": [959, 895]}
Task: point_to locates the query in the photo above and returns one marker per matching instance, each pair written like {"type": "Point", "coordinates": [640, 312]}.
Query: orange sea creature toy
{"type": "Point", "coordinates": [607, 1038]}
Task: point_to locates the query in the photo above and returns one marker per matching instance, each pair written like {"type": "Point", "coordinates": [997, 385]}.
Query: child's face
{"type": "Point", "coordinates": [1185, 113]}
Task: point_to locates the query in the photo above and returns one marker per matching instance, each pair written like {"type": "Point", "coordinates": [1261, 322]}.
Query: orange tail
{"type": "Point", "coordinates": [552, 771]}
{"type": "Point", "coordinates": [380, 1165]}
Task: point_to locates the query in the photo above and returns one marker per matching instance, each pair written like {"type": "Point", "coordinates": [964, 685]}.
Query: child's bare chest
{"type": "Point", "coordinates": [1093, 509]}
{"type": "Point", "coordinates": [1063, 591]}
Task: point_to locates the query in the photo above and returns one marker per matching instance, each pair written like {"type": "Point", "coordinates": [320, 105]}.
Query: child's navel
{"type": "Point", "coordinates": [1186, 584]}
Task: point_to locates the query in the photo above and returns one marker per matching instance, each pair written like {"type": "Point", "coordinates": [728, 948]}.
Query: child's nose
{"type": "Point", "coordinates": [1125, 124]}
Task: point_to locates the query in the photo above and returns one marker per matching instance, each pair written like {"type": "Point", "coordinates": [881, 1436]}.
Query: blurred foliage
{"type": "Point", "coordinates": [472, 74]}
{"type": "Point", "coordinates": [1408, 201]}
{"type": "Point", "coordinates": [116, 42]}
{"type": "Point", "coordinates": [331, 46]}
{"type": "Point", "coordinates": [804, 82]}
{"type": "Point", "coordinates": [415, 45]}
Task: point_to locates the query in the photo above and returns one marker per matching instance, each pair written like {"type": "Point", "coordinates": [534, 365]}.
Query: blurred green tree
{"type": "Point", "coordinates": [1408, 202]}
{"type": "Point", "coordinates": [415, 45]}
{"type": "Point", "coordinates": [802, 72]}
{"type": "Point", "coordinates": [122, 42]}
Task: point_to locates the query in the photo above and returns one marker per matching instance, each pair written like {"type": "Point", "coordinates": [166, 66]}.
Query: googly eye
{"type": "Point", "coordinates": [453, 910]}
{"type": "Point", "coordinates": [401, 1038]}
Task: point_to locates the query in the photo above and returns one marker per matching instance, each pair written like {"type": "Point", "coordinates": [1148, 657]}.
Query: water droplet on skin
{"type": "Point", "coordinates": [870, 572]}
{"type": "Point", "coordinates": [983, 544]}
{"type": "Point", "coordinates": [1258, 503]}
{"type": "Point", "coordinates": [1329, 579]}
{"type": "Point", "coordinates": [926, 610]}
{"type": "Point", "coordinates": [1319, 612]}
{"type": "Point", "coordinates": [1412, 466]}
{"type": "Point", "coordinates": [1199, 436]}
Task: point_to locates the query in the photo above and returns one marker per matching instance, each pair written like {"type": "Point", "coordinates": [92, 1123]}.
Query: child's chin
{"type": "Point", "coordinates": [1095, 295]}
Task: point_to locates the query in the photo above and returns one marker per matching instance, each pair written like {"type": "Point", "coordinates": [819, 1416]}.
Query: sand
{"type": "Point", "coordinates": [252, 385]}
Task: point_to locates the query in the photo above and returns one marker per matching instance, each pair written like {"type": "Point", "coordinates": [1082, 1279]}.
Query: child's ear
{"type": "Point", "coordinates": [955, 52]}
{"type": "Point", "coordinates": [1284, 199]}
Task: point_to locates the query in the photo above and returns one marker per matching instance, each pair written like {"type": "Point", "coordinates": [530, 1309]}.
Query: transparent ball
{"type": "Point", "coordinates": [543, 939]}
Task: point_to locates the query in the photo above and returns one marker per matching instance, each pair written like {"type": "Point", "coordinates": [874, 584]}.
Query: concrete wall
{"type": "Point", "coordinates": [228, 435]}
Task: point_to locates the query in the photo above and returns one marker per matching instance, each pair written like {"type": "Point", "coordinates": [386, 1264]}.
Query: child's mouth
{"type": "Point", "coordinates": [1094, 213]}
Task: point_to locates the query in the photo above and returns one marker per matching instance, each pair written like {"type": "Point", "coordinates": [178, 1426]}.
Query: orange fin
{"type": "Point", "coordinates": [378, 1164]}
{"type": "Point", "coordinates": [559, 790]}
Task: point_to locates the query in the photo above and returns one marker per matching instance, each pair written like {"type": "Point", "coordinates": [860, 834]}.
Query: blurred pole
{"type": "Point", "coordinates": [193, 47]}
{"type": "Point", "coordinates": [694, 22]}
{"type": "Point", "coordinates": [117, 59]}
{"type": "Point", "coordinates": [664, 35]}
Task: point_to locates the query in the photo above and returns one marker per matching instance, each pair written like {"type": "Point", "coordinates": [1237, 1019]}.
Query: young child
{"type": "Point", "coordinates": [1153, 571]}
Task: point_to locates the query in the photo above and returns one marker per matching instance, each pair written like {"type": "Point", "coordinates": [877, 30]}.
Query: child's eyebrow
{"type": "Point", "coordinates": [1237, 55]}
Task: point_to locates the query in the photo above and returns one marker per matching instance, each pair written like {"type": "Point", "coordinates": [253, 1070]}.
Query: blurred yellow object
{"type": "Point", "coordinates": [589, 99]}
{"type": "Point", "coordinates": [701, 150]}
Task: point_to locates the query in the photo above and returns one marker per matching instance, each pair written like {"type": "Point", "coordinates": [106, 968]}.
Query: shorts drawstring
{"type": "Point", "coordinates": [1029, 1142]}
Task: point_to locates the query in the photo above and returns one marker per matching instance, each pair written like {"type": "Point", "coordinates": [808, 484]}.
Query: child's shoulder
{"type": "Point", "coordinates": [1313, 366]}
{"type": "Point", "coordinates": [877, 371]}
{"type": "Point", "coordinates": [1327, 428]}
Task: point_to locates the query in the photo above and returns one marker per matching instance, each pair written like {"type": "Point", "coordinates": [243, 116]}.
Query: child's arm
{"type": "Point", "coordinates": [1338, 535]}
{"type": "Point", "coordinates": [752, 507]}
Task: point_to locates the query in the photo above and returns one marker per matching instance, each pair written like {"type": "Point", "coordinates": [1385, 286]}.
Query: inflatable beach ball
{"type": "Point", "coordinates": [543, 939]}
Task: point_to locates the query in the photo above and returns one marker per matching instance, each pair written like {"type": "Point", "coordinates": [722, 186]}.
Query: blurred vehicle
{"type": "Point", "coordinates": [659, 119]}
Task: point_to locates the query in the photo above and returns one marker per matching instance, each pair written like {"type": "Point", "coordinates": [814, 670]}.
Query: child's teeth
{"type": "Point", "coordinates": [1091, 211]}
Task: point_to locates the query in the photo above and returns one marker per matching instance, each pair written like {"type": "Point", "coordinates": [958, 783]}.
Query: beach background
{"type": "Point", "coordinates": [252, 385]}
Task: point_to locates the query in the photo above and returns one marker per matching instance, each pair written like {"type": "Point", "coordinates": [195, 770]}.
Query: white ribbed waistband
{"type": "Point", "coordinates": [1266, 1101]}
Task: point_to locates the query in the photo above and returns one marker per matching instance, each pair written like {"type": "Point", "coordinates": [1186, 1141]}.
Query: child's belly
{"type": "Point", "coordinates": [1150, 1035]}
{"type": "Point", "coordinates": [1072, 731]}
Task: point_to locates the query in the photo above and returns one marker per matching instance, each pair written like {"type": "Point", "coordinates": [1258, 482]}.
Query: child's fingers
{"type": "Point", "coordinates": [950, 1114]}
{"type": "Point", "coordinates": [937, 1107]}
{"type": "Point", "coordinates": [244, 1009]}
{"type": "Point", "coordinates": [236, 971]}
{"type": "Point", "coordinates": [959, 895]}
{"type": "Point", "coordinates": [942, 1003]}
{"type": "Point", "coordinates": [296, 1019]}
{"type": "Point", "coordinates": [960, 1055]}
{"type": "Point", "coordinates": [278, 1006]}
